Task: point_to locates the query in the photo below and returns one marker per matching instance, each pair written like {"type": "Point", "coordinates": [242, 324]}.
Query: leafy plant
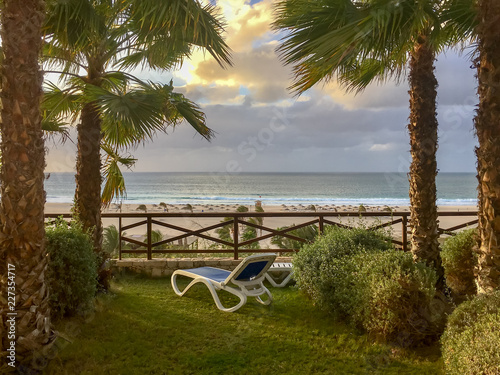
{"type": "Point", "coordinates": [470, 341]}
{"type": "Point", "coordinates": [308, 233]}
{"type": "Point", "coordinates": [320, 266]}
{"type": "Point", "coordinates": [358, 276]}
{"type": "Point", "coordinates": [459, 260]}
{"type": "Point", "coordinates": [72, 270]}
{"type": "Point", "coordinates": [396, 298]}
{"type": "Point", "coordinates": [111, 240]}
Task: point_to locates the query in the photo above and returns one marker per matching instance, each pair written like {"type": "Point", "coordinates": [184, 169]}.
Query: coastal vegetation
{"type": "Point", "coordinates": [470, 342]}
{"type": "Point", "coordinates": [359, 42]}
{"type": "Point", "coordinates": [355, 275]}
{"type": "Point", "coordinates": [96, 45]}
{"type": "Point", "coordinates": [459, 262]}
{"type": "Point", "coordinates": [72, 269]}
{"type": "Point", "coordinates": [358, 276]}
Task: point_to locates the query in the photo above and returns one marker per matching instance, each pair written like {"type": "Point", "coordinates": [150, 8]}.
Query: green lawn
{"type": "Point", "coordinates": [144, 328]}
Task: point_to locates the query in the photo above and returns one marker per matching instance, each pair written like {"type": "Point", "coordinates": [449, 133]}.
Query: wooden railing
{"type": "Point", "coordinates": [375, 220]}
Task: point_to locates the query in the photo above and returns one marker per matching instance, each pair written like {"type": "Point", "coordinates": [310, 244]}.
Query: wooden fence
{"type": "Point", "coordinates": [236, 221]}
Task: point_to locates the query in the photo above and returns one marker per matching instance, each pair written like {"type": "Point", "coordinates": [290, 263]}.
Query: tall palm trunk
{"type": "Point", "coordinates": [423, 170]}
{"type": "Point", "coordinates": [22, 230]}
{"type": "Point", "coordinates": [88, 173]}
{"type": "Point", "coordinates": [88, 181]}
{"type": "Point", "coordinates": [487, 125]}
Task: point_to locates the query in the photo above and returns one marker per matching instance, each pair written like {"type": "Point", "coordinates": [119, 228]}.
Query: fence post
{"type": "Point", "coordinates": [150, 250]}
{"type": "Point", "coordinates": [321, 224]}
{"type": "Point", "coordinates": [120, 237]}
{"type": "Point", "coordinates": [235, 237]}
{"type": "Point", "coordinates": [405, 232]}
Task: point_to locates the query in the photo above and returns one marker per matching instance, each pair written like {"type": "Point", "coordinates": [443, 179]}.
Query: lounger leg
{"type": "Point", "coordinates": [269, 297]}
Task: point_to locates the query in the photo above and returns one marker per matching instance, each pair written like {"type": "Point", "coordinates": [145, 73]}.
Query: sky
{"type": "Point", "coordinates": [262, 127]}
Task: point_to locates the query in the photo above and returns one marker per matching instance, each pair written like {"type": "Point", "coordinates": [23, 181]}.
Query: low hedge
{"type": "Point", "coordinates": [470, 343]}
{"type": "Point", "coordinates": [459, 260]}
{"type": "Point", "coordinates": [396, 299]}
{"type": "Point", "coordinates": [323, 266]}
{"type": "Point", "coordinates": [358, 276]}
{"type": "Point", "coordinates": [72, 270]}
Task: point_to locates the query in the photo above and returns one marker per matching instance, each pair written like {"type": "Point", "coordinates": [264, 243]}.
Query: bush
{"type": "Point", "coordinates": [357, 275]}
{"type": "Point", "coordinates": [72, 269]}
{"type": "Point", "coordinates": [321, 268]}
{"type": "Point", "coordinates": [395, 299]}
{"type": "Point", "coordinates": [111, 240]}
{"type": "Point", "coordinates": [458, 262]}
{"type": "Point", "coordinates": [470, 341]}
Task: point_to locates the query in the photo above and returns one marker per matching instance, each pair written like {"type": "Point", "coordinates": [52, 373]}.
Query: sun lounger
{"type": "Point", "coordinates": [279, 274]}
{"type": "Point", "coordinates": [244, 281]}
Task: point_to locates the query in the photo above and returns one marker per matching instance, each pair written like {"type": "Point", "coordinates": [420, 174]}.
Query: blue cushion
{"type": "Point", "coordinates": [215, 274]}
{"type": "Point", "coordinates": [252, 270]}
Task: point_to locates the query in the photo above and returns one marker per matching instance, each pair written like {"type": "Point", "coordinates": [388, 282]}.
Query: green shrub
{"type": "Point", "coordinates": [395, 299]}
{"type": "Point", "coordinates": [72, 271]}
{"type": "Point", "coordinates": [358, 276]}
{"type": "Point", "coordinates": [470, 341]}
{"type": "Point", "coordinates": [459, 260]}
{"type": "Point", "coordinates": [111, 240]}
{"type": "Point", "coordinates": [320, 267]}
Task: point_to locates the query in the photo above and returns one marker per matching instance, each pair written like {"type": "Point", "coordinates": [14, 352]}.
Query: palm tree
{"type": "Point", "coordinates": [487, 126]}
{"type": "Point", "coordinates": [95, 44]}
{"type": "Point", "coordinates": [22, 196]}
{"type": "Point", "coordinates": [357, 42]}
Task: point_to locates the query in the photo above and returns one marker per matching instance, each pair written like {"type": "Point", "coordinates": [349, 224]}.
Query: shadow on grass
{"type": "Point", "coordinates": [147, 329]}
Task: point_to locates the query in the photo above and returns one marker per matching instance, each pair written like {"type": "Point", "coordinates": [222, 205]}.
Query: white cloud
{"type": "Point", "coordinates": [381, 147]}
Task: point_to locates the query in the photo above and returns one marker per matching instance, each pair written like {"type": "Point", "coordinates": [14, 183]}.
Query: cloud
{"type": "Point", "coordinates": [261, 127]}
{"type": "Point", "coordinates": [258, 70]}
{"type": "Point", "coordinates": [381, 147]}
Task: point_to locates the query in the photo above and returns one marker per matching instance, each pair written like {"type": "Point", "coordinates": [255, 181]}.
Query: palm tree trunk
{"type": "Point", "coordinates": [22, 231]}
{"type": "Point", "coordinates": [88, 182]}
{"type": "Point", "coordinates": [487, 126]}
{"type": "Point", "coordinates": [423, 169]}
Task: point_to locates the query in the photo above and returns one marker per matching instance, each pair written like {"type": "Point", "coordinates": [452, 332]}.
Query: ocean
{"type": "Point", "coordinates": [273, 188]}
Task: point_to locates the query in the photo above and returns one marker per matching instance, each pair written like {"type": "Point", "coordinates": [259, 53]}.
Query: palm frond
{"type": "Point", "coordinates": [164, 52]}
{"type": "Point", "coordinates": [341, 39]}
{"type": "Point", "coordinates": [61, 103]}
{"type": "Point", "coordinates": [127, 117]}
{"type": "Point", "coordinates": [460, 20]}
{"type": "Point", "coordinates": [114, 182]}
{"type": "Point", "coordinates": [74, 22]}
{"type": "Point", "coordinates": [184, 20]}
{"type": "Point", "coordinates": [54, 127]}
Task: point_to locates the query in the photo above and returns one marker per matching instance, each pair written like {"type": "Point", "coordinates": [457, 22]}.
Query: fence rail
{"type": "Point", "coordinates": [236, 221]}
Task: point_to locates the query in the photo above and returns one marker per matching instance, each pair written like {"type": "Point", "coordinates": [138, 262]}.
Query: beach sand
{"type": "Point", "coordinates": [271, 222]}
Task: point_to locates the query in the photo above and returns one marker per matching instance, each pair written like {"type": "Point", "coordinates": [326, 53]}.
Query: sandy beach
{"type": "Point", "coordinates": [271, 222]}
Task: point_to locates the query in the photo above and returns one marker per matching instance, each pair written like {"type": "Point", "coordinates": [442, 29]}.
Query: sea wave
{"type": "Point", "coordinates": [274, 201]}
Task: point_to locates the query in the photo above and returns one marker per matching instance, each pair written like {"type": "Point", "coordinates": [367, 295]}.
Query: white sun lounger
{"type": "Point", "coordinates": [279, 274]}
{"type": "Point", "coordinates": [244, 281]}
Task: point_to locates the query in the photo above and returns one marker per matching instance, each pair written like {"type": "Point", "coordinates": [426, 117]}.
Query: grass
{"type": "Point", "coordinates": [144, 328]}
